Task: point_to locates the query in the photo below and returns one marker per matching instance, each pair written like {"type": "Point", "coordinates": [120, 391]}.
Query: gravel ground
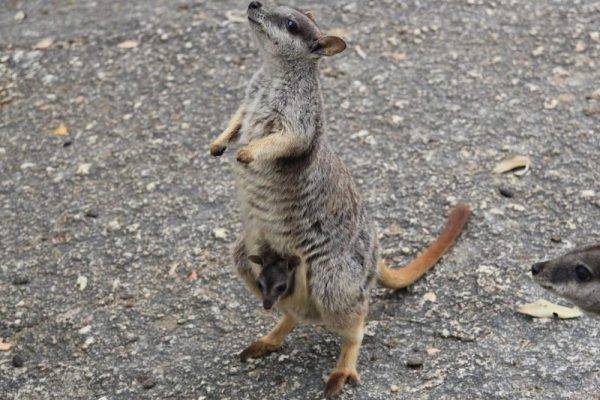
{"type": "Point", "coordinates": [115, 277]}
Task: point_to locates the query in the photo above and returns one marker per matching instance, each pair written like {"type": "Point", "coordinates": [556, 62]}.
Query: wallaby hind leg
{"type": "Point", "coordinates": [346, 366]}
{"type": "Point", "coordinates": [271, 341]}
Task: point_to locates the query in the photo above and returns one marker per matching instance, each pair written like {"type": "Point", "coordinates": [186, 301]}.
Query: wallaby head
{"type": "Point", "coordinates": [276, 279]}
{"type": "Point", "coordinates": [574, 276]}
{"type": "Point", "coordinates": [290, 34]}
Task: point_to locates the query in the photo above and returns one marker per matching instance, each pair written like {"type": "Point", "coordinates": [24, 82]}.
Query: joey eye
{"type": "Point", "coordinates": [280, 289]}
{"type": "Point", "coordinates": [260, 285]}
{"type": "Point", "coordinates": [291, 26]}
{"type": "Point", "coordinates": [582, 273]}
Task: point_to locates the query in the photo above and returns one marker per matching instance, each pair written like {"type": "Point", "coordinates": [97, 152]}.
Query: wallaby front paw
{"type": "Point", "coordinates": [257, 349]}
{"type": "Point", "coordinates": [245, 156]}
{"type": "Point", "coordinates": [217, 149]}
{"type": "Point", "coordinates": [337, 379]}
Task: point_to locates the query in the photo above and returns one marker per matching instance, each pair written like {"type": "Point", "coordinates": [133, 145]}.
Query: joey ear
{"type": "Point", "coordinates": [310, 15]}
{"type": "Point", "coordinates": [256, 259]}
{"type": "Point", "coordinates": [329, 45]}
{"type": "Point", "coordinates": [293, 262]}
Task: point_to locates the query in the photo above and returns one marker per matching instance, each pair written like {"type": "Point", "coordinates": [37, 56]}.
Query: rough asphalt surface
{"type": "Point", "coordinates": [115, 281]}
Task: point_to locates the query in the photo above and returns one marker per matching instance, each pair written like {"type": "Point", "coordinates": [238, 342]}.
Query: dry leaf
{"type": "Point", "coordinates": [398, 56]}
{"type": "Point", "coordinates": [220, 233]}
{"type": "Point", "coordinates": [514, 163]}
{"type": "Point", "coordinates": [193, 276]}
{"type": "Point", "coordinates": [595, 95]}
{"type": "Point", "coordinates": [20, 15]}
{"type": "Point", "coordinates": [341, 32]}
{"type": "Point", "coordinates": [173, 268]}
{"type": "Point", "coordinates": [84, 169]}
{"type": "Point", "coordinates": [430, 296]}
{"type": "Point", "coordinates": [128, 44]}
{"type": "Point", "coordinates": [360, 52]}
{"type": "Point", "coordinates": [200, 16]}
{"type": "Point", "coordinates": [44, 43]}
{"type": "Point", "coordinates": [61, 130]}
{"type": "Point", "coordinates": [432, 350]}
{"type": "Point", "coordinates": [5, 346]}
{"type": "Point", "coordinates": [82, 282]}
{"type": "Point", "coordinates": [545, 309]}
{"type": "Point", "coordinates": [235, 16]}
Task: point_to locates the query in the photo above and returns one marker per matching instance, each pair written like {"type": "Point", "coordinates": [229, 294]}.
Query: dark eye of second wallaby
{"type": "Point", "coordinates": [582, 273]}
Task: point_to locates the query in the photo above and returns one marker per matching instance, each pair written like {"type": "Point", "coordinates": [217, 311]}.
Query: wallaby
{"type": "Point", "coordinates": [276, 278]}
{"type": "Point", "coordinates": [275, 283]}
{"type": "Point", "coordinates": [574, 276]}
{"type": "Point", "coordinates": [297, 195]}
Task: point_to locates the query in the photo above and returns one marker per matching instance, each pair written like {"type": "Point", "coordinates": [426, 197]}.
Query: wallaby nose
{"type": "Point", "coordinates": [537, 268]}
{"type": "Point", "coordinates": [255, 5]}
{"type": "Point", "coordinates": [267, 304]}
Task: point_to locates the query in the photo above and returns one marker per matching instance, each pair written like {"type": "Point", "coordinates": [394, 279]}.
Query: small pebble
{"type": "Point", "coordinates": [91, 214]}
{"type": "Point", "coordinates": [414, 362]}
{"type": "Point", "coordinates": [556, 239]}
{"type": "Point", "coordinates": [506, 192]}
{"type": "Point", "coordinates": [148, 383]}
{"type": "Point", "coordinates": [20, 280]}
{"type": "Point", "coordinates": [125, 295]}
{"type": "Point", "coordinates": [18, 361]}
{"type": "Point", "coordinates": [20, 15]}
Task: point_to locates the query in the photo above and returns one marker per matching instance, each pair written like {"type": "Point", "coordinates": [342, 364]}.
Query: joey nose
{"type": "Point", "coordinates": [537, 268]}
{"type": "Point", "coordinates": [254, 5]}
{"type": "Point", "coordinates": [267, 304]}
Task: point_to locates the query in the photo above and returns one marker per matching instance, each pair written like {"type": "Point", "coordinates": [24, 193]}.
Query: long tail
{"type": "Point", "coordinates": [402, 277]}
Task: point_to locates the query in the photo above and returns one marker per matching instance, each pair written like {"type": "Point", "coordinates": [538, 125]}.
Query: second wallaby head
{"type": "Point", "coordinates": [574, 276]}
{"type": "Point", "coordinates": [276, 279]}
{"type": "Point", "coordinates": [290, 34]}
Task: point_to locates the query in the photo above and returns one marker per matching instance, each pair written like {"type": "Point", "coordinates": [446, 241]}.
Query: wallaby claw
{"type": "Point", "coordinates": [217, 149]}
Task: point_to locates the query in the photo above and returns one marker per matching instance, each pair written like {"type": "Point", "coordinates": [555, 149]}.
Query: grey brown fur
{"type": "Point", "coordinates": [574, 276]}
{"type": "Point", "coordinates": [296, 195]}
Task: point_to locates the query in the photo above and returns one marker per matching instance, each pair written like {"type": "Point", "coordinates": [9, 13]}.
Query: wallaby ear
{"type": "Point", "coordinates": [256, 259]}
{"type": "Point", "coordinates": [329, 45]}
{"type": "Point", "coordinates": [310, 15]}
{"type": "Point", "coordinates": [293, 262]}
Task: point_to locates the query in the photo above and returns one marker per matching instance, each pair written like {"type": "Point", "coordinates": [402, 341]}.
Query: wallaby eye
{"type": "Point", "coordinates": [280, 289]}
{"type": "Point", "coordinates": [291, 26]}
{"type": "Point", "coordinates": [260, 285]}
{"type": "Point", "coordinates": [582, 273]}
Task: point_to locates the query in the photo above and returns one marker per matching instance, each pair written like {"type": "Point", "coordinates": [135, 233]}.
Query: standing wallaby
{"type": "Point", "coordinates": [297, 195]}
{"type": "Point", "coordinates": [574, 276]}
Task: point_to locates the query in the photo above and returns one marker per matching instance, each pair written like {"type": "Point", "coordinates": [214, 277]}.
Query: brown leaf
{"type": "Point", "coordinates": [61, 130]}
{"type": "Point", "coordinates": [5, 346]}
{"type": "Point", "coordinates": [193, 276]}
{"type": "Point", "coordinates": [430, 296]}
{"type": "Point", "coordinates": [545, 309]}
{"type": "Point", "coordinates": [235, 16]}
{"type": "Point", "coordinates": [592, 110]}
{"type": "Point", "coordinates": [514, 163]}
{"type": "Point", "coordinates": [128, 44]}
{"type": "Point", "coordinates": [360, 52]}
{"type": "Point", "coordinates": [44, 43]}
{"type": "Point", "coordinates": [200, 16]}
{"type": "Point", "coordinates": [341, 32]}
{"type": "Point", "coordinates": [595, 95]}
